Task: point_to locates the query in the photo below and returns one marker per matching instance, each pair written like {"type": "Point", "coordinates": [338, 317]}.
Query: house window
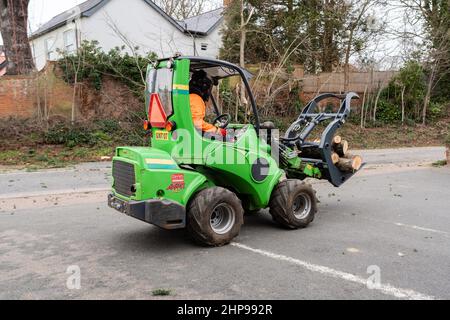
{"type": "Point", "coordinates": [204, 46]}
{"type": "Point", "coordinates": [70, 41]}
{"type": "Point", "coordinates": [50, 49]}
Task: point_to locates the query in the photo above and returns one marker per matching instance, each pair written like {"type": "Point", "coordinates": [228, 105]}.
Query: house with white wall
{"type": "Point", "coordinates": [131, 23]}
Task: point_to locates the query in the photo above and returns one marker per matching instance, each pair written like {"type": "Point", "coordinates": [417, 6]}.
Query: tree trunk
{"type": "Point", "coordinates": [363, 107]}
{"type": "Point", "coordinates": [428, 95]}
{"type": "Point", "coordinates": [243, 38]}
{"type": "Point", "coordinates": [242, 57]}
{"type": "Point", "coordinates": [13, 27]}
{"type": "Point", "coordinates": [377, 99]}
{"type": "Point", "coordinates": [403, 105]}
{"type": "Point", "coordinates": [347, 62]}
{"type": "Point", "coordinates": [328, 37]}
{"type": "Point", "coordinates": [74, 98]}
{"type": "Point", "coordinates": [348, 53]}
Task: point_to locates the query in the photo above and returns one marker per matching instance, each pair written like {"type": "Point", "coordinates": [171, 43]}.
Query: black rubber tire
{"type": "Point", "coordinates": [199, 214]}
{"type": "Point", "coordinates": [282, 204]}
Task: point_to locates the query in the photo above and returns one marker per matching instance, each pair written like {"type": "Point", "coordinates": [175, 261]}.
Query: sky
{"type": "Point", "coordinates": [41, 11]}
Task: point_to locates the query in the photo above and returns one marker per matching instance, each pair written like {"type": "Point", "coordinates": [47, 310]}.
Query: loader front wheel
{"type": "Point", "coordinates": [215, 217]}
{"type": "Point", "coordinates": [293, 204]}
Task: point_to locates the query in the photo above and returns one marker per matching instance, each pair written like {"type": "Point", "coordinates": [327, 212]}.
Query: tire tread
{"type": "Point", "coordinates": [199, 212]}
{"type": "Point", "coordinates": [280, 202]}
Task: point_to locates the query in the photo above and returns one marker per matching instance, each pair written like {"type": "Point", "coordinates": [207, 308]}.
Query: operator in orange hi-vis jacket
{"type": "Point", "coordinates": [200, 89]}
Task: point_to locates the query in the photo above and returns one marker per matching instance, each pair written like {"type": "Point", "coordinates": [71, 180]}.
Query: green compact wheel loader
{"type": "Point", "coordinates": [205, 184]}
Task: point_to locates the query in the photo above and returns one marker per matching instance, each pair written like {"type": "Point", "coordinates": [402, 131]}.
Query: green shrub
{"type": "Point", "coordinates": [411, 80]}
{"type": "Point", "coordinates": [90, 64]}
{"type": "Point", "coordinates": [388, 112]}
{"type": "Point", "coordinates": [436, 111]}
{"type": "Point", "coordinates": [295, 104]}
{"type": "Point", "coordinates": [410, 122]}
{"type": "Point", "coordinates": [70, 135]}
{"type": "Point", "coordinates": [132, 139]}
{"type": "Point", "coordinates": [108, 125]}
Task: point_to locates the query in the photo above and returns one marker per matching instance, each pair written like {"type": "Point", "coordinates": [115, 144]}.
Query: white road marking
{"type": "Point", "coordinates": [383, 288]}
{"type": "Point", "coordinates": [53, 193]}
{"type": "Point", "coordinates": [422, 229]}
{"type": "Point", "coordinates": [408, 226]}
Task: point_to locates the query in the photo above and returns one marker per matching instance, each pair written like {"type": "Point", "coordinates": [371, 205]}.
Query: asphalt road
{"type": "Point", "coordinates": [389, 223]}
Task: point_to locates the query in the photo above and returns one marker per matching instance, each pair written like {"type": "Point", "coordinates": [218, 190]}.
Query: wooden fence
{"type": "Point", "coordinates": [334, 82]}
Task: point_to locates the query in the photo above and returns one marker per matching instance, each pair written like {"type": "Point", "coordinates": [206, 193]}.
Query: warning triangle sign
{"type": "Point", "coordinates": [156, 113]}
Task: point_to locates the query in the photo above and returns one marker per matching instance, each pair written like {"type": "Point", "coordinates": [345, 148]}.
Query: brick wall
{"type": "Point", "coordinates": [47, 95]}
{"type": "Point", "coordinates": [17, 96]}
{"type": "Point", "coordinates": [42, 94]}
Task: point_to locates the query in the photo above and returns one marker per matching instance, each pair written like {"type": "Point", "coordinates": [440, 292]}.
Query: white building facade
{"type": "Point", "coordinates": [129, 23]}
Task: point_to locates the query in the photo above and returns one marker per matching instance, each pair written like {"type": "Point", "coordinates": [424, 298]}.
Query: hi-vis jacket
{"type": "Point", "coordinates": [198, 109]}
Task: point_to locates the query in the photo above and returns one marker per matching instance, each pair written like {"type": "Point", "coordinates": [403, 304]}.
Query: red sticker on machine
{"type": "Point", "coordinates": [178, 183]}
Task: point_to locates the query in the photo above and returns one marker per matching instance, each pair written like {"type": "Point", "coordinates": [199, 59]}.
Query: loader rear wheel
{"type": "Point", "coordinates": [215, 217]}
{"type": "Point", "coordinates": [293, 204]}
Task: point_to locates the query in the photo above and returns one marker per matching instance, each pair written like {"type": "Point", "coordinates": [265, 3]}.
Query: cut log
{"type": "Point", "coordinates": [314, 153]}
{"type": "Point", "coordinates": [342, 148]}
{"type": "Point", "coordinates": [335, 157]}
{"type": "Point", "coordinates": [352, 164]}
{"type": "Point", "coordinates": [337, 140]}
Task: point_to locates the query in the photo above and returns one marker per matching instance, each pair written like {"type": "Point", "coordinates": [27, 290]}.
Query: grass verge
{"type": "Point", "coordinates": [37, 155]}
{"type": "Point", "coordinates": [439, 164]}
{"type": "Point", "coordinates": [50, 156]}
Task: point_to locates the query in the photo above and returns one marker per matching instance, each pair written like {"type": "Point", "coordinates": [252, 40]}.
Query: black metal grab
{"type": "Point", "coordinates": [309, 119]}
{"type": "Point", "coordinates": [300, 130]}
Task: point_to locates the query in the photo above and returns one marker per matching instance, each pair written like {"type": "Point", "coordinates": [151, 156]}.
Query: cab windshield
{"type": "Point", "coordinates": [160, 81]}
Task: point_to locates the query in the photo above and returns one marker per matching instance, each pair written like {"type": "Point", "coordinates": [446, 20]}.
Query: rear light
{"type": "Point", "coordinates": [146, 125]}
{"type": "Point", "coordinates": [170, 126]}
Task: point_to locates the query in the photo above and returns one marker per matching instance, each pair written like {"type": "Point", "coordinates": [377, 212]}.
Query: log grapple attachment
{"type": "Point", "coordinates": [302, 158]}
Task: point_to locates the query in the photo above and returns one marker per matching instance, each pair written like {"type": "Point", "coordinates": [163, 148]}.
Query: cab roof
{"type": "Point", "coordinates": [216, 69]}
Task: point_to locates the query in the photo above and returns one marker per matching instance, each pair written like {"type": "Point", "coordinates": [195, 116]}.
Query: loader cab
{"type": "Point", "coordinates": [228, 80]}
{"type": "Point", "coordinates": [169, 113]}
